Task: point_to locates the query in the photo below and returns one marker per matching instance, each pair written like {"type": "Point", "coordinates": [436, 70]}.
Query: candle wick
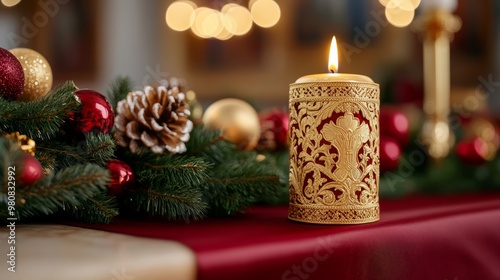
{"type": "Point", "coordinates": [332, 71]}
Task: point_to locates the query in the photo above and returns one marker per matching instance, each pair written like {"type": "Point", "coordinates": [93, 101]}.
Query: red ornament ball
{"type": "Point", "coordinates": [394, 123]}
{"type": "Point", "coordinates": [274, 129]}
{"type": "Point", "coordinates": [11, 76]}
{"type": "Point", "coordinates": [95, 115]}
{"type": "Point", "coordinates": [122, 176]}
{"type": "Point", "coordinates": [390, 152]}
{"type": "Point", "coordinates": [31, 170]}
{"type": "Point", "coordinates": [473, 151]}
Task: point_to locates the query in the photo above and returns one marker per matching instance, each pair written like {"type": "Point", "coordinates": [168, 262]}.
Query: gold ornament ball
{"type": "Point", "coordinates": [238, 121]}
{"type": "Point", "coordinates": [37, 73]}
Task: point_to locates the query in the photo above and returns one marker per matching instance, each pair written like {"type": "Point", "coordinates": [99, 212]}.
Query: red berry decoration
{"type": "Point", "coordinates": [390, 153]}
{"type": "Point", "coordinates": [11, 76]}
{"type": "Point", "coordinates": [394, 123]}
{"type": "Point", "coordinates": [31, 170]}
{"type": "Point", "coordinates": [95, 115]}
{"type": "Point", "coordinates": [473, 151]}
{"type": "Point", "coordinates": [274, 129]}
{"type": "Point", "coordinates": [121, 176]}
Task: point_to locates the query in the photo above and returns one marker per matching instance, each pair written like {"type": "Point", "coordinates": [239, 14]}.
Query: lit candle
{"type": "Point", "coordinates": [334, 147]}
{"type": "Point", "coordinates": [333, 66]}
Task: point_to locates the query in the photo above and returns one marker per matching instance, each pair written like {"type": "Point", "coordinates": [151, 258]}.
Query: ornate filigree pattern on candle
{"type": "Point", "coordinates": [334, 152]}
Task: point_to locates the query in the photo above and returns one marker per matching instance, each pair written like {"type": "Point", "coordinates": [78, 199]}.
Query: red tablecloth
{"type": "Point", "coordinates": [454, 238]}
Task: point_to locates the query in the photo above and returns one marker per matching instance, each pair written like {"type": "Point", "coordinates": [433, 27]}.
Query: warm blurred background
{"type": "Point", "coordinates": [91, 42]}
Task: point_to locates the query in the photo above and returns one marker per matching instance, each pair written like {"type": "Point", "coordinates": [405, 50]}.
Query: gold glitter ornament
{"type": "Point", "coordinates": [238, 121]}
{"type": "Point", "coordinates": [37, 73]}
{"type": "Point", "coordinates": [26, 144]}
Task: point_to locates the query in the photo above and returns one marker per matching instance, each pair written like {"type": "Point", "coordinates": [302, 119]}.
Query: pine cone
{"type": "Point", "coordinates": [154, 118]}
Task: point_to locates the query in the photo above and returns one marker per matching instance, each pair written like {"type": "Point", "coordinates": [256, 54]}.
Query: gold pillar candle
{"type": "Point", "coordinates": [334, 149]}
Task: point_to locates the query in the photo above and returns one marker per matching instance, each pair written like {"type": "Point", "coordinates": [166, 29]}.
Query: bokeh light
{"type": "Point", "coordinates": [384, 2]}
{"type": "Point", "coordinates": [228, 6]}
{"type": "Point", "coordinates": [231, 20]}
{"type": "Point", "coordinates": [265, 13]}
{"type": "Point", "coordinates": [400, 13]}
{"type": "Point", "coordinates": [180, 15]}
{"type": "Point", "coordinates": [408, 4]}
{"type": "Point", "coordinates": [398, 16]}
{"type": "Point", "coordinates": [10, 3]}
{"type": "Point", "coordinates": [242, 19]}
{"type": "Point", "coordinates": [212, 24]}
{"type": "Point", "coordinates": [200, 14]}
{"type": "Point", "coordinates": [250, 3]}
{"type": "Point", "coordinates": [229, 27]}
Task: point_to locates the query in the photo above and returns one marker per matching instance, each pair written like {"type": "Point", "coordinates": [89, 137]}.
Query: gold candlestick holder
{"type": "Point", "coordinates": [334, 152]}
{"type": "Point", "coordinates": [437, 28]}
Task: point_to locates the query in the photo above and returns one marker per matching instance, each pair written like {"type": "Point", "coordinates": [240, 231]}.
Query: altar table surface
{"type": "Point", "coordinates": [424, 237]}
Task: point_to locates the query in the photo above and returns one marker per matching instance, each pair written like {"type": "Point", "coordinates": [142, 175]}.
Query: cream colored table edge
{"type": "Point", "coordinates": [59, 252]}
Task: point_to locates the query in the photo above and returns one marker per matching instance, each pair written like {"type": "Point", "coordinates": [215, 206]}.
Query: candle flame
{"type": "Point", "coordinates": [333, 62]}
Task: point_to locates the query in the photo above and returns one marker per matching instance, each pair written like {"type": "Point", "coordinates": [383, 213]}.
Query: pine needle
{"type": "Point", "coordinates": [170, 185]}
{"type": "Point", "coordinates": [236, 185]}
{"type": "Point", "coordinates": [95, 148]}
{"type": "Point", "coordinates": [210, 145]}
{"type": "Point", "coordinates": [157, 169]}
{"type": "Point", "coordinates": [171, 202]}
{"type": "Point", "coordinates": [41, 118]}
{"type": "Point", "coordinates": [97, 209]}
{"type": "Point", "coordinates": [119, 90]}
{"type": "Point", "coordinates": [69, 187]}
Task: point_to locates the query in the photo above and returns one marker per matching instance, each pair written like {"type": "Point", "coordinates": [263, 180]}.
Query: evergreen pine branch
{"type": "Point", "coordinates": [100, 208]}
{"type": "Point", "coordinates": [41, 118]}
{"type": "Point", "coordinates": [47, 161]}
{"type": "Point", "coordinates": [236, 179]}
{"type": "Point", "coordinates": [66, 188]}
{"type": "Point", "coordinates": [279, 162]}
{"type": "Point", "coordinates": [96, 148]}
{"type": "Point", "coordinates": [237, 184]}
{"type": "Point", "coordinates": [100, 148]}
{"type": "Point", "coordinates": [210, 145]}
{"type": "Point", "coordinates": [153, 169]}
{"type": "Point", "coordinates": [119, 90]}
{"type": "Point", "coordinates": [169, 201]}
{"type": "Point", "coordinates": [170, 185]}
